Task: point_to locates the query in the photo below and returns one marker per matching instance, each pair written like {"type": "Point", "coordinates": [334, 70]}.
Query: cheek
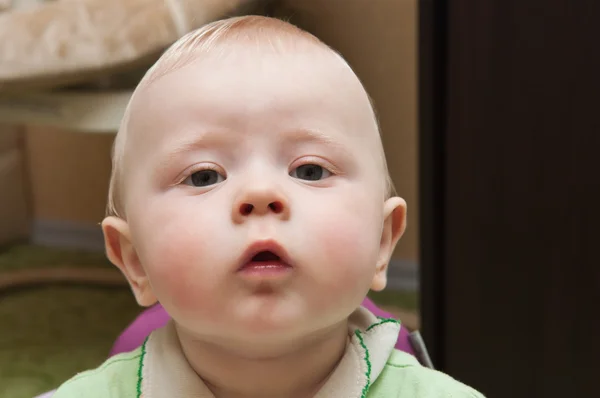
{"type": "Point", "coordinates": [352, 227]}
{"type": "Point", "coordinates": [348, 236]}
{"type": "Point", "coordinates": [178, 254]}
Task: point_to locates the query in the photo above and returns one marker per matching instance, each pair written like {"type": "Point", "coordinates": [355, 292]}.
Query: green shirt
{"type": "Point", "coordinates": [370, 368]}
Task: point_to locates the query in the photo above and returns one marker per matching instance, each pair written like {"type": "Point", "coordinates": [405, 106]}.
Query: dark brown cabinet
{"type": "Point", "coordinates": [510, 193]}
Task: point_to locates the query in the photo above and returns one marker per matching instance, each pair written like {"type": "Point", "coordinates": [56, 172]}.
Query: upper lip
{"type": "Point", "coordinates": [266, 245]}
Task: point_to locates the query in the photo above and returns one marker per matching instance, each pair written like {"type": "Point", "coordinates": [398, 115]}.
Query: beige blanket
{"type": "Point", "coordinates": [67, 41]}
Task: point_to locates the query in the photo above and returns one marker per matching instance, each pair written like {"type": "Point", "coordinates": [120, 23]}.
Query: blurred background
{"type": "Point", "coordinates": [488, 117]}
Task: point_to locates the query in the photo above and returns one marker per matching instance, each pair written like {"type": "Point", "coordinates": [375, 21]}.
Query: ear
{"type": "Point", "coordinates": [122, 253]}
{"type": "Point", "coordinates": [394, 224]}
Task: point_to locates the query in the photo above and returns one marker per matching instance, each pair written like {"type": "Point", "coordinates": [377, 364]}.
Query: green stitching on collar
{"type": "Point", "coordinates": [140, 367]}
{"type": "Point", "coordinates": [381, 322]}
{"type": "Point", "coordinates": [367, 356]}
{"type": "Point", "coordinates": [368, 361]}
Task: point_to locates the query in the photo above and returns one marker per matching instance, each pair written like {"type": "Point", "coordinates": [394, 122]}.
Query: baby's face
{"type": "Point", "coordinates": [231, 157]}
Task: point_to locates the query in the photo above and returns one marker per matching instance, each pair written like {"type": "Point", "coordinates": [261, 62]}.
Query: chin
{"type": "Point", "coordinates": [269, 325]}
{"type": "Point", "coordinates": [289, 328]}
{"type": "Point", "coordinates": [261, 326]}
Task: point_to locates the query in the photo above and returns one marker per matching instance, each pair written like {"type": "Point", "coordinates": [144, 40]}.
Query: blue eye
{"type": "Point", "coordinates": [310, 172]}
{"type": "Point", "coordinates": [204, 178]}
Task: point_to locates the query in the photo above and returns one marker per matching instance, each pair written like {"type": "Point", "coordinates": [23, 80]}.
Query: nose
{"type": "Point", "coordinates": [260, 201]}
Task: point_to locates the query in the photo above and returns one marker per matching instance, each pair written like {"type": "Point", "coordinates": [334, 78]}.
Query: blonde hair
{"type": "Point", "coordinates": [248, 33]}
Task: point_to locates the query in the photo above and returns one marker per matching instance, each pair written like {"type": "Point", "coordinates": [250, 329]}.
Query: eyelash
{"type": "Point", "coordinates": [318, 161]}
{"type": "Point", "coordinates": [200, 167]}
{"type": "Point", "coordinates": [304, 161]}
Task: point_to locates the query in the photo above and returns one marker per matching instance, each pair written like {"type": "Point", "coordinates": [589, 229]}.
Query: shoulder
{"type": "Point", "coordinates": [403, 377]}
{"type": "Point", "coordinates": [115, 378]}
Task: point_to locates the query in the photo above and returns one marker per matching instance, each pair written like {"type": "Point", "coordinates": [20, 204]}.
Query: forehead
{"type": "Point", "coordinates": [247, 92]}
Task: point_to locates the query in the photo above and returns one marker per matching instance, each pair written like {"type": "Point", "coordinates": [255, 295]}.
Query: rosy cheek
{"type": "Point", "coordinates": [349, 248]}
{"type": "Point", "coordinates": [177, 258]}
{"type": "Point", "coordinates": [349, 230]}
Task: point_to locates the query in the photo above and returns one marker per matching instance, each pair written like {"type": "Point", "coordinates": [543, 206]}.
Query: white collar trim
{"type": "Point", "coordinates": [166, 372]}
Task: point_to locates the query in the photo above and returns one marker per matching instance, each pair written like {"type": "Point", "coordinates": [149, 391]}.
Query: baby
{"type": "Point", "coordinates": [250, 197]}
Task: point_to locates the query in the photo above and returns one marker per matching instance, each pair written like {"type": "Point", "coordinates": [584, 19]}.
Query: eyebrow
{"type": "Point", "coordinates": [220, 140]}
{"type": "Point", "coordinates": [207, 140]}
{"type": "Point", "coordinates": [313, 136]}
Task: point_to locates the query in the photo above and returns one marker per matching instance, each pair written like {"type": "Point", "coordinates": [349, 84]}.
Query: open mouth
{"type": "Point", "coordinates": [266, 256]}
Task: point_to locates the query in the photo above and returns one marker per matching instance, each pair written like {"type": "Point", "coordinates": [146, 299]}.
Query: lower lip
{"type": "Point", "coordinates": [265, 269]}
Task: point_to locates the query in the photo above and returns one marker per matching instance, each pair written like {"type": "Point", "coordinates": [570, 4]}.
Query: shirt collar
{"type": "Point", "coordinates": [165, 372]}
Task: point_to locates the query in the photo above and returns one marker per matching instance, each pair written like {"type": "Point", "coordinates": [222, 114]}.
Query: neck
{"type": "Point", "coordinates": [295, 372]}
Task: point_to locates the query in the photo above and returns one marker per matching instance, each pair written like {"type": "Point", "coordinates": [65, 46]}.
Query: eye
{"type": "Point", "coordinates": [310, 172]}
{"type": "Point", "coordinates": [204, 178]}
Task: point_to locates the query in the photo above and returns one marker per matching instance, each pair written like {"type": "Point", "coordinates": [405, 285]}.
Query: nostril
{"type": "Point", "coordinates": [246, 209]}
{"type": "Point", "coordinates": [277, 207]}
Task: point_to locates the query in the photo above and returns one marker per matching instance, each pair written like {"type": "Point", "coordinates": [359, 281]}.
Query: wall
{"type": "Point", "coordinates": [14, 207]}
{"type": "Point", "coordinates": [69, 174]}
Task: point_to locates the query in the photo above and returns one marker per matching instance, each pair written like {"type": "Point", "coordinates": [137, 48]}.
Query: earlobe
{"type": "Point", "coordinates": [121, 252]}
{"type": "Point", "coordinates": [394, 224]}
